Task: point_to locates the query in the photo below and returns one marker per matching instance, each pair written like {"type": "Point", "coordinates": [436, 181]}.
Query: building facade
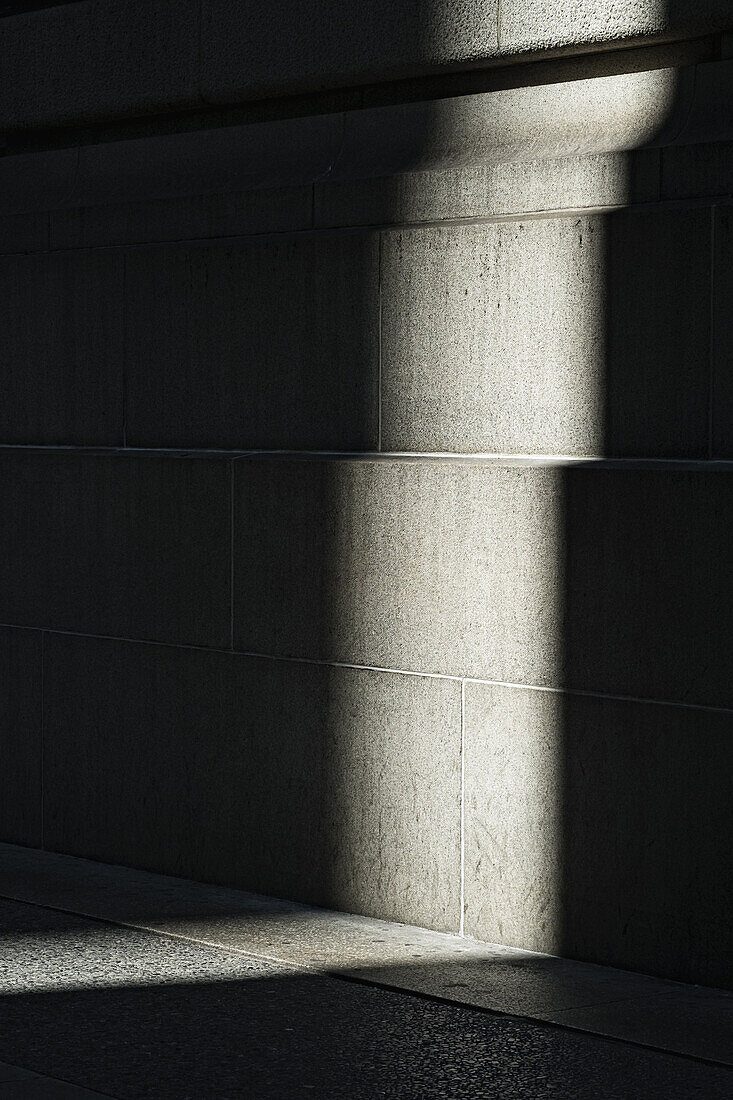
{"type": "Point", "coordinates": [366, 426]}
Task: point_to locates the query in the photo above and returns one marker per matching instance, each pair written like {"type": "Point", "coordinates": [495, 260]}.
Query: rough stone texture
{"type": "Point", "coordinates": [20, 736]}
{"type": "Point", "coordinates": [612, 179]}
{"type": "Point", "coordinates": [692, 1020]}
{"type": "Point", "coordinates": [290, 932]}
{"type": "Point", "coordinates": [130, 546]}
{"type": "Point", "coordinates": [98, 59]}
{"type": "Point", "coordinates": [548, 336]}
{"type": "Point", "coordinates": [271, 210]}
{"type": "Point", "coordinates": [598, 115]}
{"type": "Point", "coordinates": [526, 574]}
{"type": "Point", "coordinates": [324, 45]}
{"type": "Point", "coordinates": [61, 338]}
{"type": "Point", "coordinates": [86, 62]}
{"type": "Point", "coordinates": [722, 382]}
{"type": "Point", "coordinates": [581, 333]}
{"type": "Point", "coordinates": [425, 566]}
{"type": "Point", "coordinates": [268, 343]}
{"type": "Point", "coordinates": [514, 797]}
{"type": "Point", "coordinates": [189, 1029]}
{"type": "Point", "coordinates": [683, 1019]}
{"type": "Point", "coordinates": [597, 828]}
{"type": "Point", "coordinates": [53, 952]}
{"type": "Point", "coordinates": [335, 786]}
{"type": "Point", "coordinates": [551, 24]}
{"type": "Point", "coordinates": [595, 115]}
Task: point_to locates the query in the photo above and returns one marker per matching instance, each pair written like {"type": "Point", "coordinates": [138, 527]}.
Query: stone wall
{"type": "Point", "coordinates": [365, 466]}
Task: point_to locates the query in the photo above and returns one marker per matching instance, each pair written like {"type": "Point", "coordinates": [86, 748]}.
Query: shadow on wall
{"type": "Point", "coordinates": [645, 791]}
{"type": "Point", "coordinates": [342, 787]}
{"type": "Point", "coordinates": [613, 795]}
{"type": "Point", "coordinates": [616, 792]}
{"type": "Point", "coordinates": [620, 786]}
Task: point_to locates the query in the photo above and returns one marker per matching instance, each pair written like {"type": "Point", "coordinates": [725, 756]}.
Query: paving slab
{"type": "Point", "coordinates": [13, 1074]}
{"type": "Point", "coordinates": [37, 1087]}
{"type": "Point", "coordinates": [697, 1020]}
{"type": "Point", "coordinates": [134, 1014]}
{"type": "Point", "coordinates": [25, 1084]}
{"type": "Point", "coordinates": [667, 1015]}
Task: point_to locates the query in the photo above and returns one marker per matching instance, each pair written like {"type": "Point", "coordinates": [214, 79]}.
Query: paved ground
{"type": "Point", "coordinates": [129, 1013]}
{"type": "Point", "coordinates": [666, 1015]}
{"type": "Point", "coordinates": [17, 1083]}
